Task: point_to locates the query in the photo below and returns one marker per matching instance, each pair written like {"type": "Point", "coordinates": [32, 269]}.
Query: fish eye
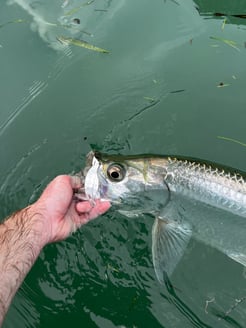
{"type": "Point", "coordinates": [116, 172]}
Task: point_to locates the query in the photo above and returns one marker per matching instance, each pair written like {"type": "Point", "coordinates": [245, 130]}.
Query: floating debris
{"type": "Point", "coordinates": [111, 268]}
{"type": "Point", "coordinates": [177, 91]}
{"type": "Point", "coordinates": [79, 43]}
{"type": "Point", "coordinates": [149, 99]}
{"type": "Point", "coordinates": [104, 10]}
{"type": "Point", "coordinates": [207, 303]}
{"type": "Point", "coordinates": [222, 85]}
{"type": "Point", "coordinates": [75, 10]}
{"type": "Point", "coordinates": [14, 22]}
{"type": "Point", "coordinates": [233, 306]}
{"type": "Point", "coordinates": [230, 43]}
{"type": "Point", "coordinates": [232, 140]}
{"type": "Point", "coordinates": [223, 24]}
{"type": "Point", "coordinates": [174, 1]}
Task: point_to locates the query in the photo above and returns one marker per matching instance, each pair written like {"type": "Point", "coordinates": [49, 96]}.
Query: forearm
{"type": "Point", "coordinates": [20, 245]}
{"type": "Point", "coordinates": [53, 217]}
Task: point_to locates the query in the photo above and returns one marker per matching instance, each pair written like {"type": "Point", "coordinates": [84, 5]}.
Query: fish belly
{"type": "Point", "coordinates": [214, 226]}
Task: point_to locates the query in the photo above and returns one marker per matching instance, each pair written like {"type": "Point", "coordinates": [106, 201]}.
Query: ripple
{"type": "Point", "coordinates": [23, 310]}
{"type": "Point", "coordinates": [16, 187]}
{"type": "Point", "coordinates": [33, 91]}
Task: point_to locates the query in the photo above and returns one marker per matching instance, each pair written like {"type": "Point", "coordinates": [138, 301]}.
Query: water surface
{"type": "Point", "coordinates": [166, 87]}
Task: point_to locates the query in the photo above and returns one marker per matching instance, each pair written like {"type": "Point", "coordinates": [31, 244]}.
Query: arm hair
{"type": "Point", "coordinates": [20, 245]}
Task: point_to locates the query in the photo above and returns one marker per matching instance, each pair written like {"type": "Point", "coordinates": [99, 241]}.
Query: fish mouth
{"type": "Point", "coordinates": [89, 160]}
{"type": "Point", "coordinates": [94, 188]}
{"type": "Point", "coordinates": [91, 180]}
{"type": "Point", "coordinates": [88, 165]}
{"type": "Point", "coordinates": [80, 193]}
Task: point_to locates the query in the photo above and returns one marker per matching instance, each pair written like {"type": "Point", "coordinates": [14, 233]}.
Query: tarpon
{"type": "Point", "coordinates": [188, 198]}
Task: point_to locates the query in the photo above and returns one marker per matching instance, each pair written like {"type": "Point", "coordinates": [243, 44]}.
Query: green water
{"type": "Point", "coordinates": [156, 92]}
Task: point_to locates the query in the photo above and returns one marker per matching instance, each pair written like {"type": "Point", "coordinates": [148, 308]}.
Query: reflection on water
{"type": "Point", "coordinates": [156, 92]}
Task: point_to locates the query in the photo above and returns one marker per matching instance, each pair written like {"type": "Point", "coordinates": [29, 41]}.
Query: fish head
{"type": "Point", "coordinates": [134, 184]}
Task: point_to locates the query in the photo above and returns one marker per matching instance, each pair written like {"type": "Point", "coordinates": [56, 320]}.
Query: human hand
{"type": "Point", "coordinates": [61, 214]}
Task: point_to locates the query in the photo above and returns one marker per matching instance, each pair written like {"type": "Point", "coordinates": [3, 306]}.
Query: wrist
{"type": "Point", "coordinates": [38, 225]}
{"type": "Point", "coordinates": [20, 233]}
{"type": "Point", "coordinates": [28, 223]}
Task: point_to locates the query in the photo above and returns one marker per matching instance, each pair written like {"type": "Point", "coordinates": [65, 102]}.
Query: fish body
{"type": "Point", "coordinates": [188, 198]}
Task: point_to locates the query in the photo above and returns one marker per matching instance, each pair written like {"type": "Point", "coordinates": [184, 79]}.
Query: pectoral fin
{"type": "Point", "coordinates": [169, 241]}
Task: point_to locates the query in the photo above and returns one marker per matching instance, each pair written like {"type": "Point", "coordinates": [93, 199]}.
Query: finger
{"type": "Point", "coordinates": [96, 207]}
{"type": "Point", "coordinates": [89, 216]}
{"type": "Point", "coordinates": [99, 209]}
{"type": "Point", "coordinates": [84, 207]}
{"type": "Point", "coordinates": [76, 182]}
